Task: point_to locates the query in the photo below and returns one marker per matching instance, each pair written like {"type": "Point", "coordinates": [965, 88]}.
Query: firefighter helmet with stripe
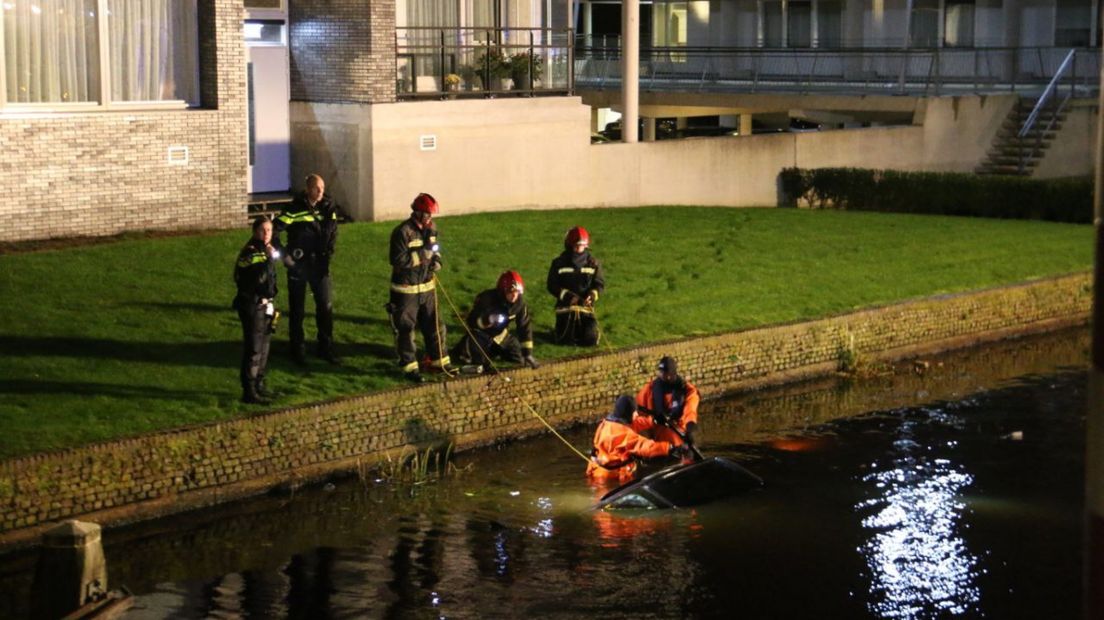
{"type": "Point", "coordinates": [576, 236]}
{"type": "Point", "coordinates": [424, 203]}
{"type": "Point", "coordinates": [510, 281]}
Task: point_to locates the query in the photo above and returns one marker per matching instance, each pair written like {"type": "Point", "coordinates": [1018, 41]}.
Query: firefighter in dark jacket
{"type": "Point", "coordinates": [311, 226]}
{"type": "Point", "coordinates": [488, 325]}
{"type": "Point", "coordinates": [415, 258]}
{"type": "Point", "coordinates": [255, 276]}
{"type": "Point", "coordinates": [576, 280]}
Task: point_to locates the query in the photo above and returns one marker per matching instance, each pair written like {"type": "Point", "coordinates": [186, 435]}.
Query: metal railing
{"type": "Point", "coordinates": [932, 71]}
{"type": "Point", "coordinates": [1040, 105]}
{"type": "Point", "coordinates": [441, 63]}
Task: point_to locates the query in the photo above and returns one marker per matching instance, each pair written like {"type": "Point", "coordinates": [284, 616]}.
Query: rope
{"type": "Point", "coordinates": [486, 357]}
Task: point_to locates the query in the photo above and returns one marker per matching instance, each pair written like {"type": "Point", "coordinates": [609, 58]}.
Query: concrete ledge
{"type": "Point", "coordinates": [162, 473]}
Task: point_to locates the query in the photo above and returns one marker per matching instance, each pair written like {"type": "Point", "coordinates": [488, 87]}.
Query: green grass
{"type": "Point", "coordinates": [104, 341]}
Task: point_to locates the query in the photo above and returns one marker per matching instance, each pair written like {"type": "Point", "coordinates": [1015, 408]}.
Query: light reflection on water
{"type": "Point", "coordinates": [920, 565]}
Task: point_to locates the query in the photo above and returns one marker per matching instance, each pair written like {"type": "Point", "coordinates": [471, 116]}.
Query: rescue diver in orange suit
{"type": "Point", "coordinates": [617, 445]}
{"type": "Point", "coordinates": [576, 280]}
{"type": "Point", "coordinates": [668, 399]}
{"type": "Point", "coordinates": [488, 321]}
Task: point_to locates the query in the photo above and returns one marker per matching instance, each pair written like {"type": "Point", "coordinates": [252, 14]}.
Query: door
{"type": "Point", "coordinates": [269, 119]}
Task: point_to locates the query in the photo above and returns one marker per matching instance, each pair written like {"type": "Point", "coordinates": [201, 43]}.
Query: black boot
{"type": "Point", "coordinates": [251, 397]}
{"type": "Point", "coordinates": [299, 355]}
{"type": "Point", "coordinates": [326, 352]}
{"type": "Point", "coordinates": [261, 388]}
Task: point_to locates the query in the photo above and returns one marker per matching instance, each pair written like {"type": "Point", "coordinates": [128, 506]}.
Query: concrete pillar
{"type": "Point", "coordinates": [630, 70]}
{"type": "Point", "coordinates": [649, 129]}
{"type": "Point", "coordinates": [588, 22]}
{"type": "Point", "coordinates": [1094, 420]}
{"type": "Point", "coordinates": [745, 124]}
{"type": "Point", "coordinates": [71, 570]}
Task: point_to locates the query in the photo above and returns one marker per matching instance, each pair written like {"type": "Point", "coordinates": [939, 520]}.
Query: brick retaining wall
{"type": "Point", "coordinates": [173, 471]}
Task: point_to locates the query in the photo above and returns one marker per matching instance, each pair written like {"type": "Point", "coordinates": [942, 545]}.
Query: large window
{"type": "Point", "coordinates": [958, 23]}
{"type": "Point", "coordinates": [1073, 27]}
{"type": "Point", "coordinates": [104, 52]}
{"type": "Point", "coordinates": [924, 24]}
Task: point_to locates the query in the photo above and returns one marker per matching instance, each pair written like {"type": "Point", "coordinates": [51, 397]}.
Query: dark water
{"type": "Point", "coordinates": [951, 490]}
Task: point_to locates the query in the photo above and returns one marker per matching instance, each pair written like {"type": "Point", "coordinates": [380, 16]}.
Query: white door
{"type": "Point", "coordinates": [269, 124]}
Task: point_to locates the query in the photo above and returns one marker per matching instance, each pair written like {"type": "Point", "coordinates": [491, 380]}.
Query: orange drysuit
{"type": "Point", "coordinates": [687, 394]}
{"type": "Point", "coordinates": [615, 445]}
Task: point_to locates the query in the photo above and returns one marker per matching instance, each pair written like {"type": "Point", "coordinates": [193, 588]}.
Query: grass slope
{"type": "Point", "coordinates": [110, 340]}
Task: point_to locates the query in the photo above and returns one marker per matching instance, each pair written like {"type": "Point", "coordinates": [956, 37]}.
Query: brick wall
{"type": "Point", "coordinates": [101, 173]}
{"type": "Point", "coordinates": [342, 51]}
{"type": "Point", "coordinates": [173, 471]}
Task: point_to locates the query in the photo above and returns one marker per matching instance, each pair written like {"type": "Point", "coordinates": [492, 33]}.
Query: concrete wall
{"type": "Point", "coordinates": [1073, 150]}
{"type": "Point", "coordinates": [511, 153]}
{"type": "Point", "coordinates": [173, 471]}
{"type": "Point", "coordinates": [101, 173]}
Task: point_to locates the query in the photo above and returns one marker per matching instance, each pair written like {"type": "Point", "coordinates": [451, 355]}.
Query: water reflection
{"type": "Point", "coordinates": [920, 565]}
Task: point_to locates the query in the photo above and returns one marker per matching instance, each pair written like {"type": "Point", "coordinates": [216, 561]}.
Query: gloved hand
{"type": "Point", "coordinates": [530, 361]}
{"type": "Point", "coordinates": [589, 301]}
{"type": "Point", "coordinates": [573, 299]}
{"type": "Point", "coordinates": [660, 419]}
{"type": "Point", "coordinates": [435, 264]}
{"type": "Point", "coordinates": [692, 433]}
{"type": "Point", "coordinates": [679, 452]}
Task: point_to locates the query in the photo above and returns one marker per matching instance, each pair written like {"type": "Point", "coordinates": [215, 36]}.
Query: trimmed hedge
{"type": "Point", "coordinates": [939, 193]}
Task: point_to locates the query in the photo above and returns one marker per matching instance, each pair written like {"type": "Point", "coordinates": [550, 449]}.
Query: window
{"type": "Point", "coordinates": [829, 23]}
{"type": "Point", "coordinates": [1072, 27]}
{"type": "Point", "coordinates": [958, 23]}
{"type": "Point", "coordinates": [52, 52]}
{"type": "Point", "coordinates": [799, 23]}
{"type": "Point", "coordinates": [772, 25]}
{"type": "Point", "coordinates": [924, 26]}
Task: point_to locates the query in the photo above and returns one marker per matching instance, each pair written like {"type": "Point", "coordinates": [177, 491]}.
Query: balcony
{"type": "Point", "coordinates": [856, 71]}
{"type": "Point", "coordinates": [450, 63]}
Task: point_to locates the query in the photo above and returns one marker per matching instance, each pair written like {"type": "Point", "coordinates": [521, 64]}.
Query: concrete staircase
{"type": "Point", "coordinates": [1012, 155]}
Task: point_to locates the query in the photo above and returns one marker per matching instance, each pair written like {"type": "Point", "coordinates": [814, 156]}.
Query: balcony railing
{"type": "Point", "coordinates": [930, 71]}
{"type": "Point", "coordinates": [442, 63]}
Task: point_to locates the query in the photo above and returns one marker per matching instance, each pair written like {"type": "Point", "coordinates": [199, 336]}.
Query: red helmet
{"type": "Point", "coordinates": [510, 281]}
{"type": "Point", "coordinates": [575, 236]}
{"type": "Point", "coordinates": [425, 203]}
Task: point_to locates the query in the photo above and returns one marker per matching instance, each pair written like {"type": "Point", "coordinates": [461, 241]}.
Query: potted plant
{"type": "Point", "coordinates": [520, 66]}
{"type": "Point", "coordinates": [470, 74]}
{"type": "Point", "coordinates": [452, 82]}
{"type": "Point", "coordinates": [494, 64]}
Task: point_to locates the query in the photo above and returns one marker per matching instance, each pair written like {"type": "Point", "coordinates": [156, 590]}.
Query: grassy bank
{"type": "Point", "coordinates": [110, 340]}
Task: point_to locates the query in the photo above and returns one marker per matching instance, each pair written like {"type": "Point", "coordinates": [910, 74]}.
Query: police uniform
{"type": "Point", "coordinates": [571, 278]}
{"type": "Point", "coordinates": [255, 276]}
{"type": "Point", "coordinates": [311, 237]}
{"type": "Point", "coordinates": [414, 259]}
{"type": "Point", "coordinates": [489, 322]}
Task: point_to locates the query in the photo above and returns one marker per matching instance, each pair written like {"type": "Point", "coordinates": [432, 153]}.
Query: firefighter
{"type": "Point", "coordinates": [415, 258]}
{"type": "Point", "coordinates": [576, 280]}
{"type": "Point", "coordinates": [617, 445]}
{"type": "Point", "coordinates": [255, 277]}
{"type": "Point", "coordinates": [311, 225]}
{"type": "Point", "coordinates": [488, 325]}
{"type": "Point", "coordinates": [671, 402]}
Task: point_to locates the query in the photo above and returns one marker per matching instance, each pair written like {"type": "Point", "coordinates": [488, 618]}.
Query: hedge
{"type": "Point", "coordinates": [939, 193]}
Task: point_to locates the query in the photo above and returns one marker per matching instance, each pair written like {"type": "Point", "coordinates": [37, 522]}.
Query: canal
{"type": "Point", "coordinates": [946, 487]}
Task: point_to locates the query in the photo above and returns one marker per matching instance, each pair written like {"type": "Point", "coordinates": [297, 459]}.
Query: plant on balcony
{"type": "Point", "coordinates": [520, 65]}
{"type": "Point", "coordinates": [494, 61]}
{"type": "Point", "coordinates": [452, 81]}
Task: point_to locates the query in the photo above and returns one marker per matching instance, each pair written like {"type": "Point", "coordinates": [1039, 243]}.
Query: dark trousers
{"type": "Point", "coordinates": [482, 347]}
{"type": "Point", "coordinates": [318, 278]}
{"type": "Point", "coordinates": [579, 328]}
{"type": "Point", "coordinates": [256, 338]}
{"type": "Point", "coordinates": [417, 311]}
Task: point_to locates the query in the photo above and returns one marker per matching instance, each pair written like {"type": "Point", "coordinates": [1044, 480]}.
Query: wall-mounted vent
{"type": "Point", "coordinates": [178, 156]}
{"type": "Point", "coordinates": [428, 143]}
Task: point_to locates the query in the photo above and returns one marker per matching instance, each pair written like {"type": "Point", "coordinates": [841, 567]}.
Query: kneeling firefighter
{"type": "Point", "coordinates": [488, 334]}
{"type": "Point", "coordinates": [617, 445]}
{"type": "Point", "coordinates": [672, 403]}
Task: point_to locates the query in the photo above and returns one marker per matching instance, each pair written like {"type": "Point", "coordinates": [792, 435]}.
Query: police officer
{"type": "Point", "coordinates": [415, 258]}
{"type": "Point", "coordinates": [311, 225]}
{"type": "Point", "coordinates": [576, 280]}
{"type": "Point", "coordinates": [488, 325]}
{"type": "Point", "coordinates": [255, 276]}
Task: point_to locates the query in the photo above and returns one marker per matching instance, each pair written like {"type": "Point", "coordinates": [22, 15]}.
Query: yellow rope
{"type": "Point", "coordinates": [486, 357]}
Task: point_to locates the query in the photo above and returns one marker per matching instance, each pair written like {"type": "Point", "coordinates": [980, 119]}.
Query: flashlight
{"type": "Point", "coordinates": [275, 253]}
{"type": "Point", "coordinates": [435, 248]}
{"type": "Point", "coordinates": [499, 318]}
